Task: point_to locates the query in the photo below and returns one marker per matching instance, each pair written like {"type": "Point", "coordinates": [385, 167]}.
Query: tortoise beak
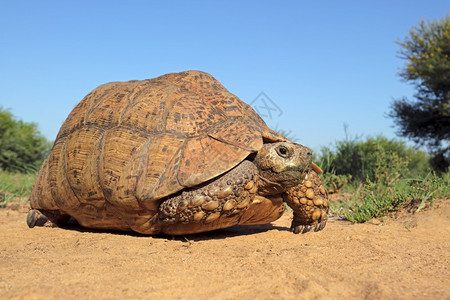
{"type": "Point", "coordinates": [316, 168]}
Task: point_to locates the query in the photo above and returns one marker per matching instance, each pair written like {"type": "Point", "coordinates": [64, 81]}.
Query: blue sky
{"type": "Point", "coordinates": [323, 63]}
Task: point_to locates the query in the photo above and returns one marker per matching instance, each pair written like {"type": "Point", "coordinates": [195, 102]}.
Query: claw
{"type": "Point", "coordinates": [306, 228]}
{"type": "Point", "coordinates": [321, 225]}
{"type": "Point", "coordinates": [301, 228]}
{"type": "Point", "coordinates": [296, 229]}
{"type": "Point", "coordinates": [317, 227]}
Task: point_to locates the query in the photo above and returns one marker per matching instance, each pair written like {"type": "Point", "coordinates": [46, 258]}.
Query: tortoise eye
{"type": "Point", "coordinates": [282, 151]}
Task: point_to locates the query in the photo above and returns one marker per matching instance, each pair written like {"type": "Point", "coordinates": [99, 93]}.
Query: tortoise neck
{"type": "Point", "coordinates": [269, 188]}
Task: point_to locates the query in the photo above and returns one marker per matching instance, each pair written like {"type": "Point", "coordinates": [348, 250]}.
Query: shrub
{"type": "Point", "coordinates": [22, 147]}
{"type": "Point", "coordinates": [381, 176]}
{"type": "Point", "coordinates": [360, 159]}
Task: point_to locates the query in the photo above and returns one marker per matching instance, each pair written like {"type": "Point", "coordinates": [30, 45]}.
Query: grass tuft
{"type": "Point", "coordinates": [15, 186]}
{"type": "Point", "coordinates": [391, 190]}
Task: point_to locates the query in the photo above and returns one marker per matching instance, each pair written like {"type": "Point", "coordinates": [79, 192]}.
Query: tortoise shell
{"type": "Point", "coordinates": [126, 145]}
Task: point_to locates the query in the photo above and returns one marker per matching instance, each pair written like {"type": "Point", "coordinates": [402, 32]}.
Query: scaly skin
{"type": "Point", "coordinates": [309, 201]}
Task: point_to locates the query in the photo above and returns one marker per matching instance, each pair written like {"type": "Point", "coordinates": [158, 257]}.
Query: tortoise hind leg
{"type": "Point", "coordinates": [263, 210]}
{"type": "Point", "coordinates": [48, 218]}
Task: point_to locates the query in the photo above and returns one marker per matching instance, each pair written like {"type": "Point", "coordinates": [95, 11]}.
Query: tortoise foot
{"type": "Point", "coordinates": [213, 205]}
{"type": "Point", "coordinates": [300, 228]}
{"type": "Point", "coordinates": [36, 218]}
{"type": "Point", "coordinates": [309, 201]}
{"type": "Point", "coordinates": [47, 218]}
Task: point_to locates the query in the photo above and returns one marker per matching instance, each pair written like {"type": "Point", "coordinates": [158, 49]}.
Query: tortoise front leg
{"type": "Point", "coordinates": [309, 201]}
{"type": "Point", "coordinates": [215, 204]}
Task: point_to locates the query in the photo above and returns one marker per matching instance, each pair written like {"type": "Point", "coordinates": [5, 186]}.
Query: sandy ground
{"type": "Point", "coordinates": [405, 257]}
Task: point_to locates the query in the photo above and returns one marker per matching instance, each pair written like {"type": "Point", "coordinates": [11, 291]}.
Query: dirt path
{"type": "Point", "coordinates": [407, 258]}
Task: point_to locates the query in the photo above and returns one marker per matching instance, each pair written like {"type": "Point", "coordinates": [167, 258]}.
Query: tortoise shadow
{"type": "Point", "coordinates": [234, 231]}
{"type": "Point", "coordinates": [218, 234]}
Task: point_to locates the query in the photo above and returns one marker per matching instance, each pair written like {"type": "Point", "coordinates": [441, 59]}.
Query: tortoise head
{"type": "Point", "coordinates": [281, 166]}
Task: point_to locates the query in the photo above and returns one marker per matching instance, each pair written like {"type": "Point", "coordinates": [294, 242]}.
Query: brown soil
{"type": "Point", "coordinates": [405, 257]}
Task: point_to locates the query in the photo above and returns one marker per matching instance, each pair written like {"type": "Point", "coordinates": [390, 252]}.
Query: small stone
{"type": "Point", "coordinates": [303, 201]}
{"type": "Point", "coordinates": [254, 189]}
{"type": "Point", "coordinates": [308, 183]}
{"type": "Point", "coordinates": [309, 203]}
{"type": "Point", "coordinates": [375, 222]}
{"type": "Point", "coordinates": [295, 201]}
{"type": "Point", "coordinates": [239, 181]}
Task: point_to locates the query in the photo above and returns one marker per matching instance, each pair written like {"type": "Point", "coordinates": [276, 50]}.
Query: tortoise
{"type": "Point", "coordinates": [177, 154]}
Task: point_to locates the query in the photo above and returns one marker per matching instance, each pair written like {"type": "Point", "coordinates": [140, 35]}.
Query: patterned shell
{"type": "Point", "coordinates": [127, 144]}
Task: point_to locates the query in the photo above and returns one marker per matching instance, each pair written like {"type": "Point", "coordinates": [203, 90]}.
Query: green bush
{"type": "Point", "coordinates": [381, 175]}
{"type": "Point", "coordinates": [360, 159]}
{"type": "Point", "coordinates": [335, 183]}
{"type": "Point", "coordinates": [22, 147]}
